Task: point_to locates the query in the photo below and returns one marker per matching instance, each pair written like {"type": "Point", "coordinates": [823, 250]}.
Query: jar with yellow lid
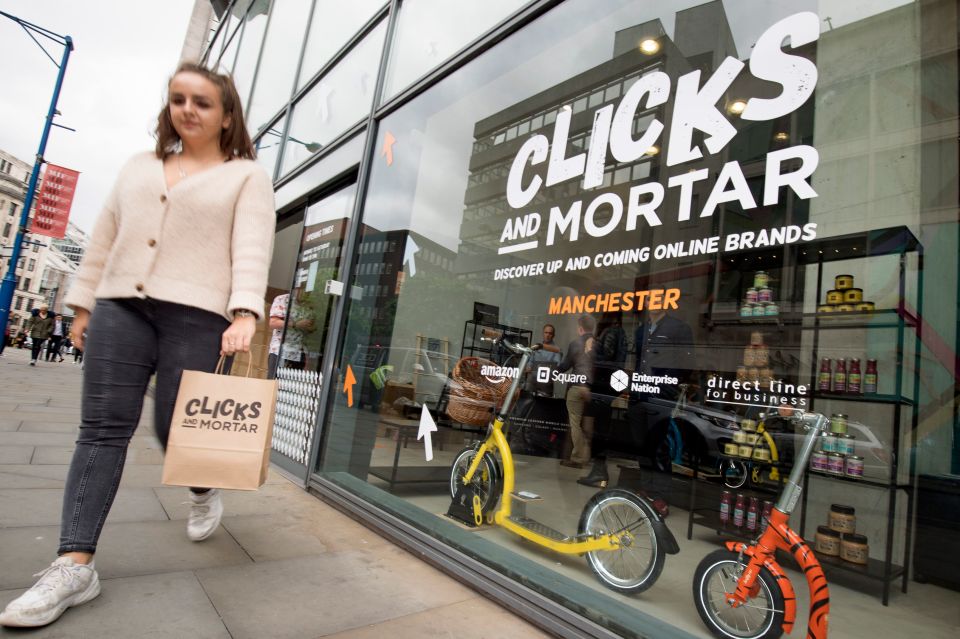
{"type": "Point", "coordinates": [853, 295]}
{"type": "Point", "coordinates": [842, 282]}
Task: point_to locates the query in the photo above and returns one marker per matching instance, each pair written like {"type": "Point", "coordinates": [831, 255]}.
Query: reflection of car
{"type": "Point", "coordinates": [644, 428]}
{"type": "Point", "coordinates": [422, 372]}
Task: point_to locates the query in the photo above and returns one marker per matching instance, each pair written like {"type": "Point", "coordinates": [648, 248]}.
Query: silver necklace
{"type": "Point", "coordinates": [180, 170]}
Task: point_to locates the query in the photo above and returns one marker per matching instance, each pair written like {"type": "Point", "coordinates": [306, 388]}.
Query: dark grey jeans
{"type": "Point", "coordinates": [127, 341]}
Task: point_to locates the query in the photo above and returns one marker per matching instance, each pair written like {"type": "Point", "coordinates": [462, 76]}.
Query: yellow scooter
{"type": "Point", "coordinates": [624, 538]}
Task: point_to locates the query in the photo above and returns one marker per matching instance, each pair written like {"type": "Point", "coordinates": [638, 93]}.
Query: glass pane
{"type": "Point", "coordinates": [333, 25]}
{"type": "Point", "coordinates": [268, 147]}
{"type": "Point", "coordinates": [430, 31]}
{"type": "Point", "coordinates": [806, 236]}
{"type": "Point", "coordinates": [278, 63]}
{"type": "Point", "coordinates": [254, 14]}
{"type": "Point", "coordinates": [340, 99]}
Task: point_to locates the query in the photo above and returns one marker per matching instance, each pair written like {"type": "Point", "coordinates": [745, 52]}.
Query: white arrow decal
{"type": "Point", "coordinates": [427, 426]}
{"type": "Point", "coordinates": [408, 255]}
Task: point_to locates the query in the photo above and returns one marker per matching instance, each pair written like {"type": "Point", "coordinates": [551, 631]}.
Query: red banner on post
{"type": "Point", "coordinates": [54, 200]}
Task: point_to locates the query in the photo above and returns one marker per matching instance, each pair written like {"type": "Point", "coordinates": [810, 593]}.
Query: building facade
{"type": "Point", "coordinates": [725, 210]}
{"type": "Point", "coordinates": [46, 265]}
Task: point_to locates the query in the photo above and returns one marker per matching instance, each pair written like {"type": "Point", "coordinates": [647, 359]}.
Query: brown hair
{"type": "Point", "coordinates": [234, 140]}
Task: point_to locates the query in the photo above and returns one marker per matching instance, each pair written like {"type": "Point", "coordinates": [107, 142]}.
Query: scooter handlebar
{"type": "Point", "coordinates": [497, 336]}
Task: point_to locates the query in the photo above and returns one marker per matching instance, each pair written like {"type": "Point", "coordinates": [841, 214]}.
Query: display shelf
{"type": "Point", "coordinates": [750, 460]}
{"type": "Point", "coordinates": [710, 519]}
{"type": "Point", "coordinates": [864, 481]}
{"type": "Point", "coordinates": [875, 569]}
{"type": "Point", "coordinates": [871, 398]}
{"type": "Point", "coordinates": [794, 271]}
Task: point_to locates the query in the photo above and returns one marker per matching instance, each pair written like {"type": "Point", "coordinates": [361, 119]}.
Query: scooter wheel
{"type": "Point", "coordinates": [485, 482]}
{"type": "Point", "coordinates": [633, 566]}
{"type": "Point", "coordinates": [715, 579]}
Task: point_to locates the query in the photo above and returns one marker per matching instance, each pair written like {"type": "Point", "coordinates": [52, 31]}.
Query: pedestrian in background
{"type": "Point", "coordinates": [202, 209]}
{"type": "Point", "coordinates": [56, 338]}
{"type": "Point", "coordinates": [40, 327]}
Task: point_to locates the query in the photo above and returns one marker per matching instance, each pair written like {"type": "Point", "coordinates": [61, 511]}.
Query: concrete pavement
{"type": "Point", "coordinates": [283, 564]}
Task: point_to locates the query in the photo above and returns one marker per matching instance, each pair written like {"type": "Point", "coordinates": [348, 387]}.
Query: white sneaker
{"type": "Point", "coordinates": [63, 585]}
{"type": "Point", "coordinates": [206, 509]}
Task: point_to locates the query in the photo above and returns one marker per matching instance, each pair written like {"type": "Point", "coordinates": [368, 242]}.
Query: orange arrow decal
{"type": "Point", "coordinates": [348, 383]}
{"type": "Point", "coordinates": [387, 150]}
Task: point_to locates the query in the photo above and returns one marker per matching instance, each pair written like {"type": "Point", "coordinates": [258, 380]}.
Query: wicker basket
{"type": "Point", "coordinates": [473, 397]}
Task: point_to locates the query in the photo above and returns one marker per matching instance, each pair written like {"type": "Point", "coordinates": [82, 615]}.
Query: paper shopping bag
{"type": "Point", "coordinates": [220, 433]}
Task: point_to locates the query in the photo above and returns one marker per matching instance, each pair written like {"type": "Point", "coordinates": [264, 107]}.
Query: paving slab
{"type": "Point", "coordinates": [36, 439]}
{"type": "Point", "coordinates": [42, 506]}
{"type": "Point", "coordinates": [269, 537]}
{"type": "Point", "coordinates": [16, 454]}
{"type": "Point", "coordinates": [171, 605]}
{"type": "Point", "coordinates": [125, 549]}
{"type": "Point", "coordinates": [471, 619]}
{"type": "Point", "coordinates": [9, 425]}
{"type": "Point", "coordinates": [42, 426]}
{"type": "Point", "coordinates": [32, 476]}
{"type": "Point", "coordinates": [63, 455]}
{"type": "Point", "coordinates": [323, 594]}
{"type": "Point", "coordinates": [269, 499]}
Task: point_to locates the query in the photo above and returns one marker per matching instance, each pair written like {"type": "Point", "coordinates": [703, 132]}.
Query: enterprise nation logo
{"type": "Point", "coordinates": [619, 381]}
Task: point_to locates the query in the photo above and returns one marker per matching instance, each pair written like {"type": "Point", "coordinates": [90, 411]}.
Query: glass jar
{"type": "Point", "coordinates": [752, 295]}
{"type": "Point", "coordinates": [758, 310]}
{"type": "Point", "coordinates": [838, 423]}
{"type": "Point", "coordinates": [761, 356]}
{"type": "Point", "coordinates": [747, 309]}
{"type": "Point", "coordinates": [834, 297]}
{"type": "Point", "coordinates": [770, 309]}
{"type": "Point", "coordinates": [761, 454]}
{"type": "Point", "coordinates": [866, 307]}
{"type": "Point", "coordinates": [835, 463]}
{"type": "Point", "coordinates": [765, 295]}
{"type": "Point", "coordinates": [761, 280]}
{"type": "Point", "coordinates": [739, 437]}
{"type": "Point", "coordinates": [853, 295]}
{"type": "Point", "coordinates": [854, 548]}
{"type": "Point", "coordinates": [853, 467]}
{"type": "Point", "coordinates": [846, 308]}
{"type": "Point", "coordinates": [843, 519]}
{"type": "Point", "coordinates": [745, 450]}
{"type": "Point", "coordinates": [826, 308]}
{"type": "Point", "coordinates": [731, 449]}
{"type": "Point", "coordinates": [756, 338]}
{"type": "Point", "coordinates": [828, 443]}
{"type": "Point", "coordinates": [818, 461]}
{"type": "Point", "coordinates": [827, 542]}
{"type": "Point", "coordinates": [842, 282]}
{"type": "Point", "coordinates": [748, 425]}
{"type": "Point", "coordinates": [845, 444]}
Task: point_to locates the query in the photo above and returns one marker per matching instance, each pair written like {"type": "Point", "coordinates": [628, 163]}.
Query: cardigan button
{"type": "Point", "coordinates": [163, 197]}
{"type": "Point", "coordinates": [139, 288]}
{"type": "Point", "coordinates": [152, 242]}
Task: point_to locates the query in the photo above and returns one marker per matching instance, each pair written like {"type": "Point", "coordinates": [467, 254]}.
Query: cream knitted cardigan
{"type": "Point", "coordinates": [206, 242]}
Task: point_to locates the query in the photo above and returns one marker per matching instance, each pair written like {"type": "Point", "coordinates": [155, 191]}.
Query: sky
{"type": "Point", "coordinates": [124, 51]}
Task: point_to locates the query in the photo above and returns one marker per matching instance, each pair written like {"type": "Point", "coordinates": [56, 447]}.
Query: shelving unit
{"type": "Point", "coordinates": [795, 325]}
{"type": "Point", "coordinates": [473, 346]}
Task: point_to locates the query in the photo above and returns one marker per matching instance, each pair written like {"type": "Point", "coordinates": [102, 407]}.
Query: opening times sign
{"type": "Point", "coordinates": [54, 201]}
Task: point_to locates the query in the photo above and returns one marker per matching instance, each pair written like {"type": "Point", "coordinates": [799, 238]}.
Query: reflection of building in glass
{"type": "Point", "coordinates": [702, 40]}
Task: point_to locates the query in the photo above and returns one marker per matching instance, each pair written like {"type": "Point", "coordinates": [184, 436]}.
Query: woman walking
{"type": "Point", "coordinates": [40, 327]}
{"type": "Point", "coordinates": [174, 276]}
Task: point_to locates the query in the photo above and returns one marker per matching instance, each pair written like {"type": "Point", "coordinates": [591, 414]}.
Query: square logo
{"type": "Point", "coordinates": [543, 374]}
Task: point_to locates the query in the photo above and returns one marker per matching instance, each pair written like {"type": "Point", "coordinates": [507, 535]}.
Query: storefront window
{"type": "Point", "coordinates": [338, 101]}
{"type": "Point", "coordinates": [305, 310]}
{"type": "Point", "coordinates": [333, 25]}
{"type": "Point", "coordinates": [705, 212]}
{"type": "Point", "coordinates": [278, 62]}
{"type": "Point", "coordinates": [254, 14]}
{"type": "Point", "coordinates": [430, 31]}
{"type": "Point", "coordinates": [268, 146]}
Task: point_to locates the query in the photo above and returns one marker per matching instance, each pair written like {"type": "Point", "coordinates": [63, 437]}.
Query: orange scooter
{"type": "Point", "coordinates": [742, 592]}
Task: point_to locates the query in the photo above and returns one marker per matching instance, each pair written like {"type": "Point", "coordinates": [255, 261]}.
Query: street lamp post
{"type": "Point", "coordinates": [9, 284]}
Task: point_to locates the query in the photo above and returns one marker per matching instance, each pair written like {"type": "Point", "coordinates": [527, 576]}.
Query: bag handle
{"type": "Point", "coordinates": [222, 361]}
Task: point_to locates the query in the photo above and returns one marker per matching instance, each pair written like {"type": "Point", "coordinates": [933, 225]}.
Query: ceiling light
{"type": "Point", "coordinates": [653, 150]}
{"type": "Point", "coordinates": [736, 107]}
{"type": "Point", "coordinates": [781, 136]}
{"type": "Point", "coordinates": [649, 46]}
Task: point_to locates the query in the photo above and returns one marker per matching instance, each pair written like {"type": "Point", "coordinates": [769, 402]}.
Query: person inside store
{"type": "Point", "coordinates": [278, 315]}
{"type": "Point", "coordinates": [537, 402]}
{"type": "Point", "coordinates": [610, 355]}
{"type": "Point", "coordinates": [579, 360]}
{"type": "Point", "coordinates": [40, 327]}
{"type": "Point", "coordinates": [664, 347]}
{"type": "Point", "coordinates": [293, 351]}
{"type": "Point", "coordinates": [202, 208]}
